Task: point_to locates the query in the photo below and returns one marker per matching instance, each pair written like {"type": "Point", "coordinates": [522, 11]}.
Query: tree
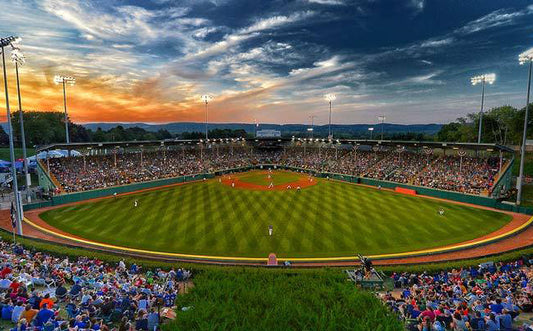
{"type": "Point", "coordinates": [501, 125]}
{"type": "Point", "coordinates": [163, 134]}
{"type": "Point", "coordinates": [40, 128]}
{"type": "Point", "coordinates": [4, 138]}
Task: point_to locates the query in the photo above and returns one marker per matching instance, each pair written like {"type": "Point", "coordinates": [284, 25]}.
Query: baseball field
{"type": "Point", "coordinates": [322, 219]}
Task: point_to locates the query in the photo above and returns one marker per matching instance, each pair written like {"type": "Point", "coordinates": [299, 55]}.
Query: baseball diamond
{"type": "Point", "coordinates": [326, 219]}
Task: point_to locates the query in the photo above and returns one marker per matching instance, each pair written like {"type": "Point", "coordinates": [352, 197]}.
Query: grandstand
{"type": "Point", "coordinates": [466, 168]}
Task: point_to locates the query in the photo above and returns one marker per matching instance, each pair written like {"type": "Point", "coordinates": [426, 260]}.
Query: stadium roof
{"type": "Point", "coordinates": [184, 142]}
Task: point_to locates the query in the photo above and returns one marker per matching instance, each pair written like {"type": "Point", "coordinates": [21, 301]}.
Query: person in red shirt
{"type": "Point", "coordinates": [428, 313]}
{"type": "Point", "coordinates": [5, 271]}
{"type": "Point", "coordinates": [14, 285]}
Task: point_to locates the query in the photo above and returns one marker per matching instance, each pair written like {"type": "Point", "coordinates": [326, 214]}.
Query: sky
{"type": "Point", "coordinates": [270, 61]}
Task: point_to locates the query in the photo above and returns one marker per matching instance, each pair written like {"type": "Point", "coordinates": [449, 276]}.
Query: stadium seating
{"type": "Point", "coordinates": [472, 175]}
{"type": "Point", "coordinates": [34, 289]}
{"type": "Point", "coordinates": [487, 297]}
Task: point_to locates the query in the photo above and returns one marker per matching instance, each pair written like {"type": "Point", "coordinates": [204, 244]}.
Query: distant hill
{"type": "Point", "coordinates": [286, 129]}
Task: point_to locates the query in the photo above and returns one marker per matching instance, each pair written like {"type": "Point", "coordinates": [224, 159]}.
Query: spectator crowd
{"type": "Point", "coordinates": [487, 297]}
{"type": "Point", "coordinates": [42, 292]}
{"type": "Point", "coordinates": [472, 175]}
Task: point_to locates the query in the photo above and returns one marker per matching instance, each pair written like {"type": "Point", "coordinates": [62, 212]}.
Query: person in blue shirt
{"type": "Point", "coordinates": [477, 322]}
{"type": "Point", "coordinates": [437, 326]}
{"type": "Point", "coordinates": [80, 323]}
{"type": "Point", "coordinates": [75, 290]}
{"type": "Point", "coordinates": [492, 324]}
{"type": "Point", "coordinates": [170, 299]}
{"type": "Point", "coordinates": [497, 307]}
{"type": "Point", "coordinates": [153, 319]}
{"type": "Point", "coordinates": [7, 311]}
{"type": "Point", "coordinates": [17, 311]}
{"type": "Point", "coordinates": [141, 323]}
{"type": "Point", "coordinates": [506, 322]}
{"type": "Point", "coordinates": [43, 316]}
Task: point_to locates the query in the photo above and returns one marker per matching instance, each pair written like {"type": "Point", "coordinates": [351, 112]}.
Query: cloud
{"type": "Point", "coordinates": [251, 31]}
{"type": "Point", "coordinates": [437, 42]}
{"type": "Point", "coordinates": [327, 2]}
{"type": "Point", "coordinates": [426, 79]}
{"type": "Point", "coordinates": [203, 32]}
{"type": "Point", "coordinates": [416, 5]}
{"type": "Point", "coordinates": [494, 19]}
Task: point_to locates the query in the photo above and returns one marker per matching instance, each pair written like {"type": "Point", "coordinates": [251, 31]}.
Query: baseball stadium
{"type": "Point", "coordinates": [325, 201]}
{"type": "Point", "coordinates": [266, 165]}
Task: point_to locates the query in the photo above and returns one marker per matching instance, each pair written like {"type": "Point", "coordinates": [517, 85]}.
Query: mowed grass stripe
{"type": "Point", "coordinates": [328, 219]}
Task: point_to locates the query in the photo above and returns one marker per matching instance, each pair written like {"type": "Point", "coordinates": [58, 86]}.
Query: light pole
{"type": "Point", "coordinates": [312, 117]}
{"type": "Point", "coordinates": [526, 57]}
{"type": "Point", "coordinates": [371, 131]}
{"type": "Point", "coordinates": [482, 79]}
{"type": "Point", "coordinates": [382, 120]}
{"type": "Point", "coordinates": [18, 58]}
{"type": "Point", "coordinates": [206, 98]}
{"type": "Point", "coordinates": [329, 98]}
{"type": "Point", "coordinates": [59, 79]}
{"type": "Point", "coordinates": [3, 43]}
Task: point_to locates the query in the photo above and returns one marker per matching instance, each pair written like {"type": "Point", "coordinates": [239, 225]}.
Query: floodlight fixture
{"type": "Point", "coordinates": [17, 57]}
{"type": "Point", "coordinates": [526, 56]}
{"type": "Point", "coordinates": [485, 78]}
{"type": "Point", "coordinates": [330, 97]}
{"type": "Point", "coordinates": [60, 79]}
{"type": "Point", "coordinates": [9, 41]}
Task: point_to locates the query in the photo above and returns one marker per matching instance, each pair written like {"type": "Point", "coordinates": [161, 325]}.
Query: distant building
{"type": "Point", "coordinates": [268, 134]}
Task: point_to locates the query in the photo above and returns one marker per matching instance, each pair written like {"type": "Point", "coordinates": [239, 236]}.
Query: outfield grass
{"type": "Point", "coordinates": [328, 219]}
{"type": "Point", "coordinates": [261, 177]}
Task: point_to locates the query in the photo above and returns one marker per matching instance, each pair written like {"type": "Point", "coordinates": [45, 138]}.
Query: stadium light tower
{"type": "Point", "coordinates": [312, 117]}
{"type": "Point", "coordinates": [64, 80]}
{"type": "Point", "coordinates": [382, 120]}
{"type": "Point", "coordinates": [330, 97]}
{"type": "Point", "coordinates": [18, 58]}
{"type": "Point", "coordinates": [371, 132]}
{"type": "Point", "coordinates": [482, 79]}
{"type": "Point", "coordinates": [524, 58]}
{"type": "Point", "coordinates": [4, 42]}
{"type": "Point", "coordinates": [206, 98]}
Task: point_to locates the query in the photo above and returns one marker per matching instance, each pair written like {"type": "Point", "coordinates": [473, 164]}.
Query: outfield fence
{"type": "Point", "coordinates": [448, 195]}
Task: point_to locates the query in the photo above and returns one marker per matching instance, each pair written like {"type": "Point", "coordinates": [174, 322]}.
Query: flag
{"type": "Point", "coordinates": [13, 216]}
